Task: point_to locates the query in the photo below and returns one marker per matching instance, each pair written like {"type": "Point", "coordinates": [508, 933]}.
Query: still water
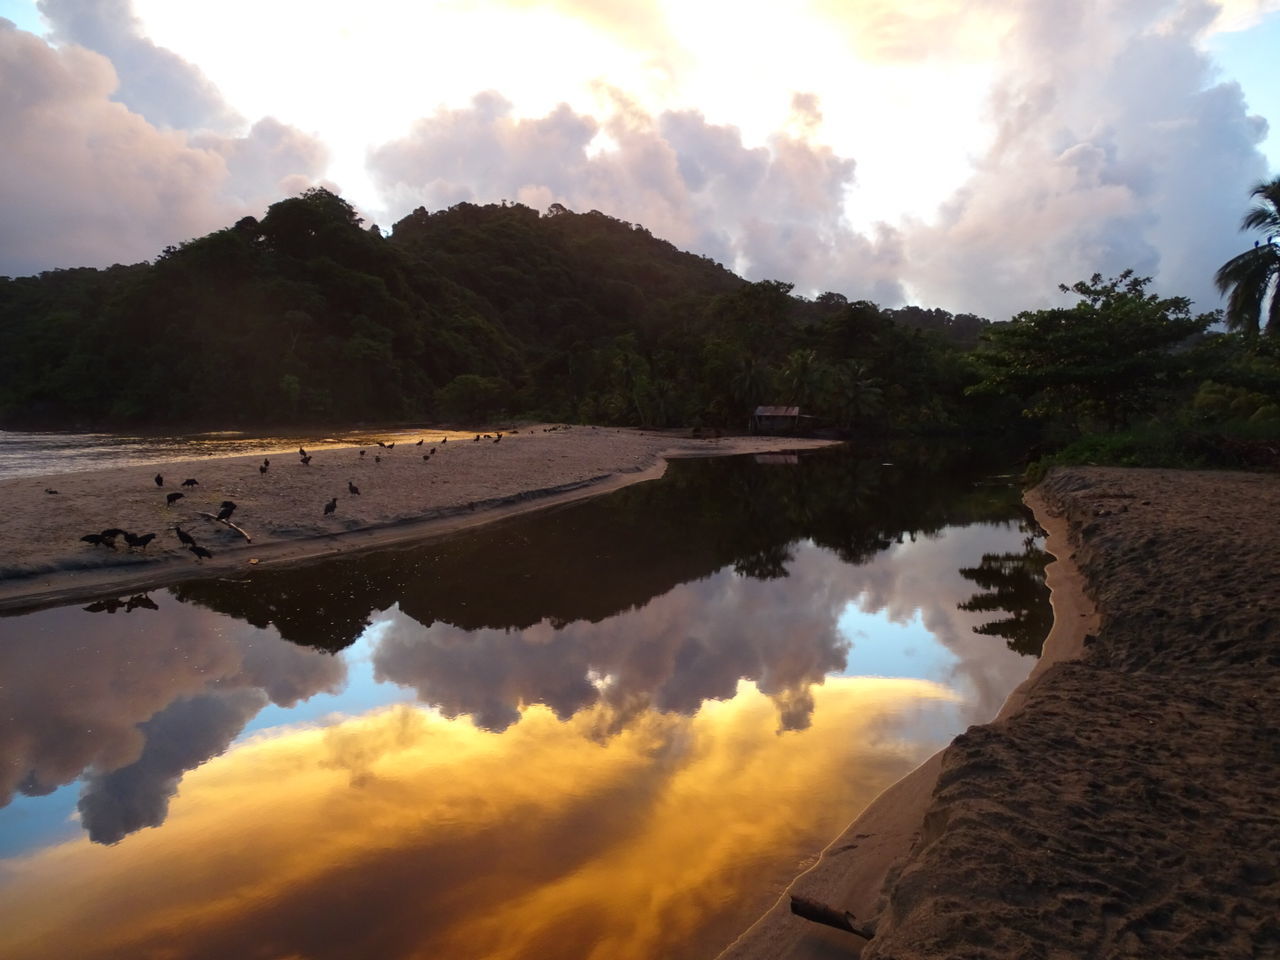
{"type": "Point", "coordinates": [614, 729]}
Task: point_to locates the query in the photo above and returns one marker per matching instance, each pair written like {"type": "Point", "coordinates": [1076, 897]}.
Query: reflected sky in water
{"type": "Point", "coordinates": [615, 729]}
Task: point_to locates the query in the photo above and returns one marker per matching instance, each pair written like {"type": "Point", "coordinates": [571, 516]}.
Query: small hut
{"type": "Point", "coordinates": [776, 420]}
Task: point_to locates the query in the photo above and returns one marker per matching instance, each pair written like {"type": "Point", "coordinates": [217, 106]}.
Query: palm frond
{"type": "Point", "coordinates": [1247, 278]}
{"type": "Point", "coordinates": [1265, 214]}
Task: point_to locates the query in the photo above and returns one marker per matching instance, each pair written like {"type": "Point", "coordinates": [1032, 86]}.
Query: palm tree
{"type": "Point", "coordinates": [1252, 277]}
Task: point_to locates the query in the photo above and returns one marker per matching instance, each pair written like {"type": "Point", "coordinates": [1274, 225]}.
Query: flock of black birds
{"type": "Point", "coordinates": [108, 537]}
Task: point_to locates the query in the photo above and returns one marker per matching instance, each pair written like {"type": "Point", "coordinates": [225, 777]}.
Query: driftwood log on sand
{"type": "Point", "coordinates": [239, 530]}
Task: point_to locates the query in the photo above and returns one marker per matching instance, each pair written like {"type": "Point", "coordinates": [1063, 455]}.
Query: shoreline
{"type": "Point", "coordinates": [851, 871]}
{"type": "Point", "coordinates": [47, 565]}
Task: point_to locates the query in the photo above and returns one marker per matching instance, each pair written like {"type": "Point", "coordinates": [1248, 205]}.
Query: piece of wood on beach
{"type": "Point", "coordinates": [819, 912]}
{"type": "Point", "coordinates": [210, 516]}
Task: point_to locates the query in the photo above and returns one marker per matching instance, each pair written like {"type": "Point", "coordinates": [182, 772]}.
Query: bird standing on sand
{"type": "Point", "coordinates": [419, 443]}
{"type": "Point", "coordinates": [391, 445]}
{"type": "Point", "coordinates": [302, 452]}
{"type": "Point", "coordinates": [353, 489]}
{"type": "Point", "coordinates": [262, 469]}
{"type": "Point", "coordinates": [135, 540]}
{"type": "Point", "coordinates": [159, 480]}
{"type": "Point", "coordinates": [228, 508]}
{"type": "Point", "coordinates": [444, 439]}
{"type": "Point", "coordinates": [362, 453]}
{"type": "Point", "coordinates": [173, 498]}
{"type": "Point", "coordinates": [200, 552]}
{"type": "Point", "coordinates": [190, 482]}
{"type": "Point", "coordinates": [98, 540]}
{"type": "Point", "coordinates": [306, 461]}
{"type": "Point", "coordinates": [187, 539]}
{"type": "Point", "coordinates": [331, 506]}
{"type": "Point", "coordinates": [377, 459]}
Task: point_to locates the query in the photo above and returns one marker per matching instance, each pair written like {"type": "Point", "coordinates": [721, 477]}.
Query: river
{"type": "Point", "coordinates": [613, 729]}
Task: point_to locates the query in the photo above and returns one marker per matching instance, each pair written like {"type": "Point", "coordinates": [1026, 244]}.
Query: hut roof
{"type": "Point", "coordinates": [777, 411]}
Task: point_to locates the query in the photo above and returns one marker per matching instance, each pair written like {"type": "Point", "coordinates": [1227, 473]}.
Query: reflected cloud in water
{"type": "Point", "coordinates": [447, 840]}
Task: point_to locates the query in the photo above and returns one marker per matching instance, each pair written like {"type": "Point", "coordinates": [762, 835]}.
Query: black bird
{"type": "Point", "coordinates": [381, 444]}
{"type": "Point", "coordinates": [433, 451]}
{"type": "Point", "coordinates": [134, 540]}
{"type": "Point", "coordinates": [391, 445]}
{"type": "Point", "coordinates": [159, 480]}
{"type": "Point", "coordinates": [444, 440]}
{"type": "Point", "coordinates": [191, 483]}
{"type": "Point", "coordinates": [50, 490]}
{"type": "Point", "coordinates": [263, 468]}
{"type": "Point", "coordinates": [228, 508]}
{"type": "Point", "coordinates": [377, 459]}
{"type": "Point", "coordinates": [306, 461]}
{"type": "Point", "coordinates": [353, 489]}
{"type": "Point", "coordinates": [200, 552]}
{"type": "Point", "coordinates": [477, 439]}
{"type": "Point", "coordinates": [98, 540]}
{"type": "Point", "coordinates": [498, 438]}
{"type": "Point", "coordinates": [362, 453]}
{"type": "Point", "coordinates": [418, 444]}
{"type": "Point", "coordinates": [426, 457]}
{"type": "Point", "coordinates": [173, 498]}
{"type": "Point", "coordinates": [331, 506]}
{"type": "Point", "coordinates": [187, 539]}
{"type": "Point", "coordinates": [302, 452]}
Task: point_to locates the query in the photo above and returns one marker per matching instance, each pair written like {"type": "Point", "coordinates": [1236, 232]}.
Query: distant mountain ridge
{"type": "Point", "coordinates": [307, 316]}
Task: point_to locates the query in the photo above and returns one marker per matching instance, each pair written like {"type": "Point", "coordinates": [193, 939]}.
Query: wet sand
{"type": "Point", "coordinates": [402, 498]}
{"type": "Point", "coordinates": [1126, 802]}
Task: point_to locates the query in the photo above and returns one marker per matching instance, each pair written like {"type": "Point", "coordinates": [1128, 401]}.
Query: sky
{"type": "Point", "coordinates": [965, 154]}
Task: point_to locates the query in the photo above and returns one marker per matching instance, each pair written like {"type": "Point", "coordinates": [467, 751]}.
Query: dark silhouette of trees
{"type": "Point", "coordinates": [1250, 279]}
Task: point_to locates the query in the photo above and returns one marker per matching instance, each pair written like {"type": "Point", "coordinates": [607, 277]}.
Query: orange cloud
{"type": "Point", "coordinates": [403, 834]}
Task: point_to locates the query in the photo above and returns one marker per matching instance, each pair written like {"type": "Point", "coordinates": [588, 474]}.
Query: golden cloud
{"type": "Point", "coordinates": [404, 834]}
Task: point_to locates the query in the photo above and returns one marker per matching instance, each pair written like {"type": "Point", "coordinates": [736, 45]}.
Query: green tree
{"type": "Point", "coordinates": [1250, 279]}
{"type": "Point", "coordinates": [472, 396]}
{"type": "Point", "coordinates": [1105, 360]}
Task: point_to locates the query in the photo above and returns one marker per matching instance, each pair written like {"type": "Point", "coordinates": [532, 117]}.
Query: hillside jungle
{"type": "Point", "coordinates": [306, 317]}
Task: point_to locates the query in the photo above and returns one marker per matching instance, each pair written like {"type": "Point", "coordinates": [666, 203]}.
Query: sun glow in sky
{"type": "Point", "coordinates": [927, 151]}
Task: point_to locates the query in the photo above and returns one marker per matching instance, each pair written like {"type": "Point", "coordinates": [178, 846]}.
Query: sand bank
{"type": "Point", "coordinates": [402, 497]}
{"type": "Point", "coordinates": [1127, 800]}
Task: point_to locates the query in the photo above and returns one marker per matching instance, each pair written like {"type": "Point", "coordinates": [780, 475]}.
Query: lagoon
{"type": "Point", "coordinates": [615, 728]}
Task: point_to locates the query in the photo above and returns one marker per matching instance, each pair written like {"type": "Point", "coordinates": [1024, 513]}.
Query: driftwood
{"type": "Point", "coordinates": [210, 516]}
{"type": "Point", "coordinates": [822, 913]}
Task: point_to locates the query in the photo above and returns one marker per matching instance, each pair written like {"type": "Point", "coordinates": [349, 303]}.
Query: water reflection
{"type": "Point", "coordinates": [622, 703]}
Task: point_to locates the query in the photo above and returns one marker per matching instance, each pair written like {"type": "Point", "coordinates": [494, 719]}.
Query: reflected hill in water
{"type": "Point", "coordinates": [595, 559]}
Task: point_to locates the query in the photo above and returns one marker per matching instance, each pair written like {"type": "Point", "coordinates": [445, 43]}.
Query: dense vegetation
{"type": "Point", "coordinates": [480, 312]}
{"type": "Point", "coordinates": [468, 313]}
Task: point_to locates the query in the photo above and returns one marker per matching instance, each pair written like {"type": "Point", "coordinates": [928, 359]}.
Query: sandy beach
{"type": "Point", "coordinates": [402, 497]}
{"type": "Point", "coordinates": [1126, 802]}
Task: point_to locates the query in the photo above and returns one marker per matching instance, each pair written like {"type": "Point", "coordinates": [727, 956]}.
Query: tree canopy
{"type": "Point", "coordinates": [1102, 362]}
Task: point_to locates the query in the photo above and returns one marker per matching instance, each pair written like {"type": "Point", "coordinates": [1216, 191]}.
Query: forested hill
{"type": "Point", "coordinates": [306, 316]}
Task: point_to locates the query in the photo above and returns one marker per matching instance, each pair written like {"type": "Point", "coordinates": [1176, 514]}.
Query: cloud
{"type": "Point", "coordinates": [179, 738]}
{"type": "Point", "coordinates": [1113, 150]}
{"type": "Point", "coordinates": [153, 82]}
{"type": "Point", "coordinates": [697, 641]}
{"type": "Point", "coordinates": [94, 684]}
{"type": "Point", "coordinates": [774, 211]}
{"type": "Point", "coordinates": [86, 182]}
{"type": "Point", "coordinates": [398, 819]}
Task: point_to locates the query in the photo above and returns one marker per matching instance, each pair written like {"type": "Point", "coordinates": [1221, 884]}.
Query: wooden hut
{"type": "Point", "coordinates": [776, 420]}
